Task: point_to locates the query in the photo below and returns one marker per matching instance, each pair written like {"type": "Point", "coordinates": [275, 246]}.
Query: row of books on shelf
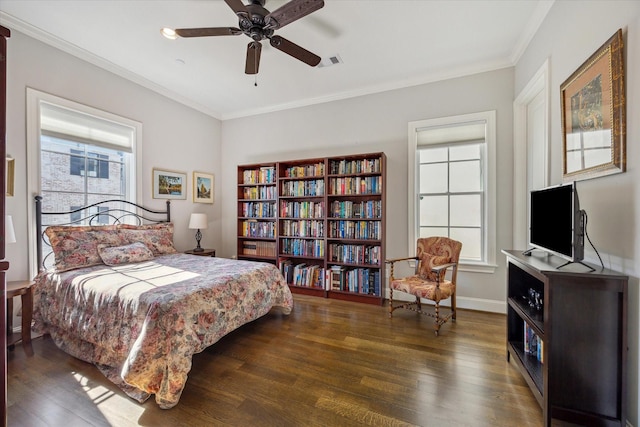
{"type": "Point", "coordinates": [263, 175]}
{"type": "Point", "coordinates": [264, 229]}
{"type": "Point", "coordinates": [259, 248]}
{"type": "Point", "coordinates": [355, 166]}
{"type": "Point", "coordinates": [354, 254]}
{"type": "Point", "coordinates": [302, 228]}
{"type": "Point", "coordinates": [337, 278]}
{"type": "Point", "coordinates": [360, 280]}
{"type": "Point", "coordinates": [355, 230]}
{"type": "Point", "coordinates": [533, 345]}
{"type": "Point", "coordinates": [349, 209]}
{"type": "Point", "coordinates": [355, 185]}
{"type": "Point", "coordinates": [262, 192]}
{"type": "Point", "coordinates": [302, 209]}
{"type": "Point", "coordinates": [259, 209]}
{"type": "Point", "coordinates": [310, 188]}
{"type": "Point", "coordinates": [302, 247]}
{"type": "Point", "coordinates": [312, 276]}
{"type": "Point", "coordinates": [316, 169]}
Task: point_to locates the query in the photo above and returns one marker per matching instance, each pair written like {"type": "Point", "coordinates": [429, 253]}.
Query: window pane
{"type": "Point", "coordinates": [430, 155]}
{"type": "Point", "coordinates": [465, 176]}
{"type": "Point", "coordinates": [464, 152]}
{"type": "Point", "coordinates": [471, 239]}
{"type": "Point", "coordinates": [434, 211]}
{"type": "Point", "coordinates": [433, 178]}
{"type": "Point", "coordinates": [433, 231]}
{"type": "Point", "coordinates": [466, 210]}
{"type": "Point", "coordinates": [56, 173]}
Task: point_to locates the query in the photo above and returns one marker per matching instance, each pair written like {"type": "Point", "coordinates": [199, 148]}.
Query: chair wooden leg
{"type": "Point", "coordinates": [437, 325]}
{"type": "Point", "coordinates": [418, 303]}
{"type": "Point", "coordinates": [453, 306]}
{"type": "Point", "coordinates": [390, 302]}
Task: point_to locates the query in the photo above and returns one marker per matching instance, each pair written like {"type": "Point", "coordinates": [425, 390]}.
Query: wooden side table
{"type": "Point", "coordinates": [22, 288]}
{"type": "Point", "coordinates": [204, 252]}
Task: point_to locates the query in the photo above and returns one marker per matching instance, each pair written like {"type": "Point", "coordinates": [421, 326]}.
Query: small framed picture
{"type": "Point", "coordinates": [169, 184]}
{"type": "Point", "coordinates": [10, 172]}
{"type": "Point", "coordinates": [202, 187]}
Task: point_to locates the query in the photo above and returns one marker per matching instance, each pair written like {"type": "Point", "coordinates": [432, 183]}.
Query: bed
{"type": "Point", "coordinates": [121, 297]}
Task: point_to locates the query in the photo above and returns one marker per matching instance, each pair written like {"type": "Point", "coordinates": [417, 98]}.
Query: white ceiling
{"type": "Point", "coordinates": [384, 44]}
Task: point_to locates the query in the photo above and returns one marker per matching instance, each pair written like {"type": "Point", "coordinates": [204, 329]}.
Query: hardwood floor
{"type": "Point", "coordinates": [329, 363]}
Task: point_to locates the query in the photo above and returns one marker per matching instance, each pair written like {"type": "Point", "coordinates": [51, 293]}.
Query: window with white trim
{"type": "Point", "coordinates": [452, 184]}
{"type": "Point", "coordinates": [78, 155]}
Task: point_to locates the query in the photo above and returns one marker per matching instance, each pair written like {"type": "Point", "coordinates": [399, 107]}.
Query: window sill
{"type": "Point", "coordinates": [478, 268]}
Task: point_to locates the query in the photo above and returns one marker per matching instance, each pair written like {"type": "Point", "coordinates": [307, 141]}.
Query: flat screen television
{"type": "Point", "coordinates": [556, 223]}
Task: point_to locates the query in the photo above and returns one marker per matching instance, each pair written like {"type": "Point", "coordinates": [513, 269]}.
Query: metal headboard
{"type": "Point", "coordinates": [114, 211]}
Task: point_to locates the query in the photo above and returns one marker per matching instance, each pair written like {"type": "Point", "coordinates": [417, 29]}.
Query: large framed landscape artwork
{"type": "Point", "coordinates": [593, 115]}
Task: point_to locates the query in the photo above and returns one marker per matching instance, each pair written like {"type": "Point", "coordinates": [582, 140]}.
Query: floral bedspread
{"type": "Point", "coordinates": [141, 323]}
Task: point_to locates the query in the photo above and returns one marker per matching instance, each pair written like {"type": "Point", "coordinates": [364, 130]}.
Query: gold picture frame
{"type": "Point", "coordinates": [203, 187]}
{"type": "Point", "coordinates": [10, 175]}
{"type": "Point", "coordinates": [169, 184]}
{"type": "Point", "coordinates": [593, 115]}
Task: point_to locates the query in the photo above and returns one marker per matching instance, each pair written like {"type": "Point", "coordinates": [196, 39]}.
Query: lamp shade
{"type": "Point", "coordinates": [198, 221]}
{"type": "Point", "coordinates": [9, 232]}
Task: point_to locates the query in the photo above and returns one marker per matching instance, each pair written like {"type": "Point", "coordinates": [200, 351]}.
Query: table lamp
{"type": "Point", "coordinates": [9, 232]}
{"type": "Point", "coordinates": [198, 221]}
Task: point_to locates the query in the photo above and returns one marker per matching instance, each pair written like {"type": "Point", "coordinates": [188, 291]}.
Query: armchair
{"type": "Point", "coordinates": [434, 255]}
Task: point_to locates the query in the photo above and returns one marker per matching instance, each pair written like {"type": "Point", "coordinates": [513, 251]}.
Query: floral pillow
{"type": "Point", "coordinates": [157, 237]}
{"type": "Point", "coordinates": [77, 246]}
{"type": "Point", "coordinates": [133, 252]}
{"type": "Point", "coordinates": [427, 262]}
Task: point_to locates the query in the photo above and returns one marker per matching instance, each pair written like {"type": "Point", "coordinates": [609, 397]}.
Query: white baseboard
{"type": "Point", "coordinates": [480, 304]}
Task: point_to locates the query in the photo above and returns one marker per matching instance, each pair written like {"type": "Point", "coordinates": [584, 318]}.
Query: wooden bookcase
{"type": "Point", "coordinates": [328, 227]}
{"type": "Point", "coordinates": [579, 321]}
{"type": "Point", "coordinates": [257, 212]}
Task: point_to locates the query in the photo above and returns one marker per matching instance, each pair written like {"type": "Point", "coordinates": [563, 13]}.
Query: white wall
{"type": "Point", "coordinates": [379, 123]}
{"type": "Point", "coordinates": [175, 137]}
{"type": "Point", "coordinates": [571, 32]}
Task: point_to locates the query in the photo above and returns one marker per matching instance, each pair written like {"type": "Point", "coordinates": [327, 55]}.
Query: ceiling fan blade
{"type": "Point", "coordinates": [294, 50]}
{"type": "Point", "coordinates": [253, 58]}
{"type": "Point", "coordinates": [204, 32]}
{"type": "Point", "coordinates": [237, 6]}
{"type": "Point", "coordinates": [290, 12]}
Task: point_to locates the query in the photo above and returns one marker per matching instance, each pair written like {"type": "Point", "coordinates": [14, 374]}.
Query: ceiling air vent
{"type": "Point", "coordinates": [330, 61]}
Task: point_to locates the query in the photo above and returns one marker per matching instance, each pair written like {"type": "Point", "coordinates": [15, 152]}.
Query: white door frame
{"type": "Point", "coordinates": [538, 83]}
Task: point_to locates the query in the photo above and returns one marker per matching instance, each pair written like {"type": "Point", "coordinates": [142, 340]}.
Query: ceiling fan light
{"type": "Point", "coordinates": [169, 33]}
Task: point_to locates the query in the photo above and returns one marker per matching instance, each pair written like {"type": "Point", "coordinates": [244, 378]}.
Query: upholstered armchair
{"type": "Point", "coordinates": [434, 256]}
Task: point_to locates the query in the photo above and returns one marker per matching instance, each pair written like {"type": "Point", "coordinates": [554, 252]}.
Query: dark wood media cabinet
{"type": "Point", "coordinates": [580, 326]}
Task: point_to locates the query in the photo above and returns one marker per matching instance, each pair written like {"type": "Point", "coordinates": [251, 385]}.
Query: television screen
{"type": "Point", "coordinates": [555, 221]}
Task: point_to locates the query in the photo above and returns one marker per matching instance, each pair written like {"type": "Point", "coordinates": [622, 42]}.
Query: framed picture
{"type": "Point", "coordinates": [169, 185]}
{"type": "Point", "coordinates": [203, 187]}
{"type": "Point", "coordinates": [10, 173]}
{"type": "Point", "coordinates": [593, 115]}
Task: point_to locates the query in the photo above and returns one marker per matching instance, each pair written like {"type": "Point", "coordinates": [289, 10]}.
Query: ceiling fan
{"type": "Point", "coordinates": [258, 23]}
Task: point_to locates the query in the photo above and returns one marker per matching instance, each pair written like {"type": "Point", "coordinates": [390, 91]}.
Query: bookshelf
{"type": "Point", "coordinates": [355, 227]}
{"type": "Point", "coordinates": [566, 333]}
{"type": "Point", "coordinates": [327, 232]}
{"type": "Point", "coordinates": [257, 212]}
{"type": "Point", "coordinates": [302, 224]}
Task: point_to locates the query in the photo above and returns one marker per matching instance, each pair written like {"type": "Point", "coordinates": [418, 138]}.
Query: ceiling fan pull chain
{"type": "Point", "coordinates": [255, 83]}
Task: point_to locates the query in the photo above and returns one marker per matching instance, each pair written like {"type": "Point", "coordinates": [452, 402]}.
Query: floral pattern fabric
{"type": "Point", "coordinates": [431, 251]}
{"type": "Point", "coordinates": [141, 323]}
{"type": "Point", "coordinates": [116, 255]}
{"type": "Point", "coordinates": [157, 237]}
{"type": "Point", "coordinates": [77, 246]}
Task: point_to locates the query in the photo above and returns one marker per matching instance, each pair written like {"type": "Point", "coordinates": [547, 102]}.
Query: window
{"type": "Point", "coordinates": [77, 156]}
{"type": "Point", "coordinates": [89, 164]}
{"type": "Point", "coordinates": [451, 185]}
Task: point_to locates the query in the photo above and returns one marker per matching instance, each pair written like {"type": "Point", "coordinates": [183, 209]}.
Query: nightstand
{"type": "Point", "coordinates": [205, 252]}
{"type": "Point", "coordinates": [22, 288]}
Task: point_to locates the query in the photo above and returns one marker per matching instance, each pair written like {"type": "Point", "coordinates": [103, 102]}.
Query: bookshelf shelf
{"type": "Point", "coordinates": [306, 209]}
{"type": "Point", "coordinates": [566, 333]}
